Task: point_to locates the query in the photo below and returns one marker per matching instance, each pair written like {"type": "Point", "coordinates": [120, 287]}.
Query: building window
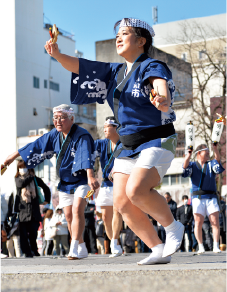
{"type": "Point", "coordinates": [35, 82]}
{"type": "Point", "coordinates": [175, 179]}
{"type": "Point", "coordinates": [45, 83]}
{"type": "Point", "coordinates": [54, 86]}
{"type": "Point", "coordinates": [202, 55]}
{"type": "Point", "coordinates": [94, 113]}
{"type": "Point", "coordinates": [39, 170]}
{"type": "Point", "coordinates": [84, 110]}
{"type": "Point", "coordinates": [184, 57]}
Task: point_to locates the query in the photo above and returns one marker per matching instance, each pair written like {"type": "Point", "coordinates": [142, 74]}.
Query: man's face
{"type": "Point", "coordinates": [167, 197]}
{"type": "Point", "coordinates": [109, 131]}
{"type": "Point", "coordinates": [204, 155]}
{"type": "Point", "coordinates": [62, 122]}
{"type": "Point", "coordinates": [59, 211]}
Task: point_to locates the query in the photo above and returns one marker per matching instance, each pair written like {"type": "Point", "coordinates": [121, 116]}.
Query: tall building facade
{"type": "Point", "coordinates": [32, 84]}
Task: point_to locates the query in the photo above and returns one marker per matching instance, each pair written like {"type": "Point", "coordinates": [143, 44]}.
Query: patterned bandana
{"type": "Point", "coordinates": [137, 23]}
{"type": "Point", "coordinates": [111, 122]}
{"type": "Point", "coordinates": [64, 108]}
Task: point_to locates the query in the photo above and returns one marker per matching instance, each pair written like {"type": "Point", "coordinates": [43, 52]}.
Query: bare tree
{"type": "Point", "coordinates": [205, 48]}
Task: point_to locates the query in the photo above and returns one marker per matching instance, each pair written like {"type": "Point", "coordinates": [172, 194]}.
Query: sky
{"type": "Point", "coordinates": [93, 20]}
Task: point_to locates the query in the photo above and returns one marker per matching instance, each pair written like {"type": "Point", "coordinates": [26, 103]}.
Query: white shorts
{"type": "Point", "coordinates": [157, 157]}
{"type": "Point", "coordinates": [205, 206]}
{"type": "Point", "coordinates": [105, 197]}
{"type": "Point", "coordinates": [67, 199]}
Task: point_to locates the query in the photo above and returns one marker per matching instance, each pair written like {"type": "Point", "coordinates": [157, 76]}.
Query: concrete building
{"type": "Point", "coordinates": [32, 83]}
{"type": "Point", "coordinates": [202, 42]}
{"type": "Point", "coordinates": [182, 76]}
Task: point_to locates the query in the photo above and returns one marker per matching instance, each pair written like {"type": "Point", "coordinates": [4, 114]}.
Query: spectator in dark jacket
{"type": "Point", "coordinates": [172, 204]}
{"type": "Point", "coordinates": [184, 215]}
{"type": "Point", "coordinates": [89, 231]}
{"type": "Point", "coordinates": [27, 204]}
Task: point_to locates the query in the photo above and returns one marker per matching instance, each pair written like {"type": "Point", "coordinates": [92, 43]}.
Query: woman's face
{"type": "Point", "coordinates": [126, 42]}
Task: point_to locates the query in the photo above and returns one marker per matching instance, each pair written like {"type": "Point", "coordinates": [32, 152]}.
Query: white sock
{"type": "Point", "coordinates": [215, 245]}
{"type": "Point", "coordinates": [201, 247]}
{"type": "Point", "coordinates": [114, 241]}
{"type": "Point", "coordinates": [82, 245]}
{"type": "Point", "coordinates": [158, 249]}
{"type": "Point", "coordinates": [172, 227]}
{"type": "Point", "coordinates": [74, 246]}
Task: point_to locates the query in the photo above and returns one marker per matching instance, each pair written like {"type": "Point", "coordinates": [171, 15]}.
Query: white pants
{"type": "Point", "coordinates": [157, 157]}
{"type": "Point", "coordinates": [105, 197]}
{"type": "Point", "coordinates": [205, 206]}
{"type": "Point", "coordinates": [67, 199]}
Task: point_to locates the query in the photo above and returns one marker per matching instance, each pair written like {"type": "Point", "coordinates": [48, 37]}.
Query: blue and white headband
{"type": "Point", "coordinates": [137, 23]}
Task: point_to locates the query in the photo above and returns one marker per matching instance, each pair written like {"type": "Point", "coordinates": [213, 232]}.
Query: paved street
{"type": "Point", "coordinates": [186, 272]}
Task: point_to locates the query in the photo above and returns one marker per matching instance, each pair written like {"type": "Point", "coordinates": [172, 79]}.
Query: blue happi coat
{"type": "Point", "coordinates": [97, 82]}
{"type": "Point", "coordinates": [101, 147]}
{"type": "Point", "coordinates": [78, 156]}
{"type": "Point", "coordinates": [209, 183]}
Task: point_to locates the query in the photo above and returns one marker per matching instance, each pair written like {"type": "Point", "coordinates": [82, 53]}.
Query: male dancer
{"type": "Point", "coordinates": [204, 197]}
{"type": "Point", "coordinates": [74, 149]}
{"type": "Point", "coordinates": [111, 217]}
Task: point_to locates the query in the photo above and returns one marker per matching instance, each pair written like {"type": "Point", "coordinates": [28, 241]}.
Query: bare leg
{"type": "Point", "coordinates": [78, 221]}
{"type": "Point", "coordinates": [69, 217]}
{"type": "Point", "coordinates": [136, 219]}
{"type": "Point", "coordinates": [199, 219]}
{"type": "Point", "coordinates": [116, 224]}
{"type": "Point", "coordinates": [140, 191]}
{"type": "Point", "coordinates": [214, 221]}
{"type": "Point", "coordinates": [107, 216]}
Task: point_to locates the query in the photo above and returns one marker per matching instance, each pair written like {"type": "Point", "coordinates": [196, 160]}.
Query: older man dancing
{"type": "Point", "coordinates": [74, 148]}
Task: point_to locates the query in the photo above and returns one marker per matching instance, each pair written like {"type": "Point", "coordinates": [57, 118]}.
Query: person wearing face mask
{"type": "Point", "coordinates": [74, 150]}
{"type": "Point", "coordinates": [27, 205]}
{"type": "Point", "coordinates": [185, 216]}
{"type": "Point", "coordinates": [204, 197]}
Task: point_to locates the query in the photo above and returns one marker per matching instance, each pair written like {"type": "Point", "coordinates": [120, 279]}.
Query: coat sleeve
{"type": "Point", "coordinates": [45, 188]}
{"type": "Point", "coordinates": [178, 214]}
{"type": "Point", "coordinates": [190, 216]}
{"type": "Point", "coordinates": [84, 154]}
{"type": "Point", "coordinates": [187, 171]}
{"type": "Point", "coordinates": [36, 152]}
{"type": "Point", "coordinates": [93, 82]}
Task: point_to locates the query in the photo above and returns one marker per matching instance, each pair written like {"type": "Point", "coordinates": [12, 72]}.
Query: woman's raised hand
{"type": "Point", "coordinates": [52, 49]}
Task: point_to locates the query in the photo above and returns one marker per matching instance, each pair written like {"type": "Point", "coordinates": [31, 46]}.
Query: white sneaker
{"type": "Point", "coordinates": [154, 260]}
{"type": "Point", "coordinates": [173, 240]}
{"type": "Point", "coordinates": [82, 251]}
{"type": "Point", "coordinates": [216, 250]}
{"type": "Point", "coordinates": [3, 256]}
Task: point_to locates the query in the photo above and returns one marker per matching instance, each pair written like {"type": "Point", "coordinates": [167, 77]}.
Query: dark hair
{"type": "Point", "coordinates": [112, 118]}
{"type": "Point", "coordinates": [139, 32]}
{"type": "Point", "coordinates": [21, 164]}
{"type": "Point", "coordinates": [200, 147]}
{"type": "Point", "coordinates": [185, 197]}
{"type": "Point", "coordinates": [168, 194]}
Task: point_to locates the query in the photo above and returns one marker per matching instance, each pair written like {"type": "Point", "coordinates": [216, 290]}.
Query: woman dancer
{"type": "Point", "coordinates": [146, 130]}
